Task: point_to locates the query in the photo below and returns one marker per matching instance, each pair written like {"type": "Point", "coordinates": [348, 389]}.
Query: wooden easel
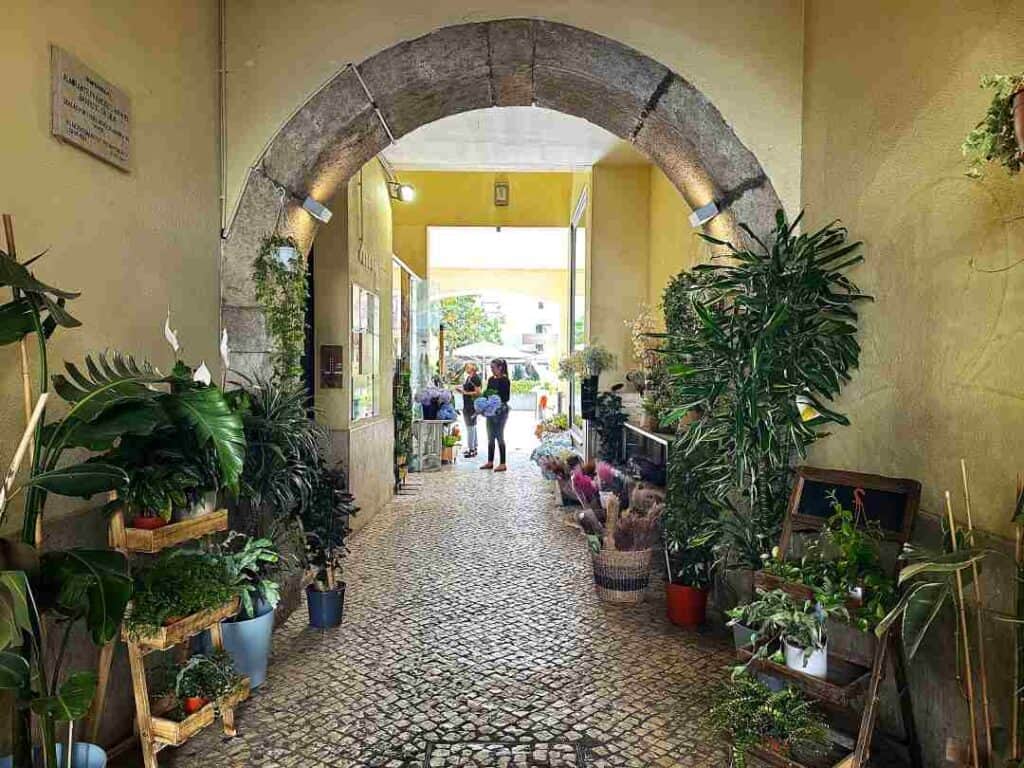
{"type": "Point", "coordinates": [892, 504]}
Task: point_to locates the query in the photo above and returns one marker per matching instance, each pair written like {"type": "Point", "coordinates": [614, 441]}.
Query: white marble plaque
{"type": "Point", "coordinates": [90, 112]}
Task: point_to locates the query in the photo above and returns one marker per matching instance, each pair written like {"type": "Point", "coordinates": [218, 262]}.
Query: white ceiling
{"type": "Point", "coordinates": [509, 139]}
{"type": "Point", "coordinates": [498, 248]}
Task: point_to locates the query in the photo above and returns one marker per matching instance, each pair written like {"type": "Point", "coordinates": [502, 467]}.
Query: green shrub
{"type": "Point", "coordinates": [178, 583]}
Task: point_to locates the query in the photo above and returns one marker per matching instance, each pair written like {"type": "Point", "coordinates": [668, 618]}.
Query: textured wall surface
{"type": "Point", "coordinates": [674, 245]}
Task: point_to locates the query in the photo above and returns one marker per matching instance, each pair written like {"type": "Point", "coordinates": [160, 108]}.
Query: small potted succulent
{"type": "Point", "coordinates": [749, 714]}
{"type": "Point", "coordinates": [999, 137]}
{"type": "Point", "coordinates": [432, 399]}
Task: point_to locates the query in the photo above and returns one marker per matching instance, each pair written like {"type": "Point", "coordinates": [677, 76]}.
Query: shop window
{"type": "Point", "coordinates": [365, 353]}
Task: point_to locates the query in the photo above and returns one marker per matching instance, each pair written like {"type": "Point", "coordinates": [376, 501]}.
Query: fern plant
{"type": "Point", "coordinates": [282, 292]}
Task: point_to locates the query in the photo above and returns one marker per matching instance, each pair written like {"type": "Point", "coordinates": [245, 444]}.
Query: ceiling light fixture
{"type": "Point", "coordinates": [704, 214]}
{"type": "Point", "coordinates": [317, 210]}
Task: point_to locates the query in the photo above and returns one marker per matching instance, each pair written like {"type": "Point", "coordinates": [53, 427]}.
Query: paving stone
{"type": "Point", "coordinates": [472, 637]}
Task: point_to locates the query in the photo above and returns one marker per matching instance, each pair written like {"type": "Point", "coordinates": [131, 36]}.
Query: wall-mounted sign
{"type": "Point", "coordinates": [88, 111]}
{"type": "Point", "coordinates": [501, 193]}
{"type": "Point", "coordinates": [332, 366]}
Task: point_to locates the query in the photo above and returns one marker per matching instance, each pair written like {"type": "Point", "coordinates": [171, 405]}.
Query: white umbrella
{"type": "Point", "coordinates": [487, 350]}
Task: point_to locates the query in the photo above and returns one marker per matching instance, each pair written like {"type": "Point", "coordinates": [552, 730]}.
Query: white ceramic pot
{"type": "Point", "coordinates": [286, 256]}
{"type": "Point", "coordinates": [815, 665]}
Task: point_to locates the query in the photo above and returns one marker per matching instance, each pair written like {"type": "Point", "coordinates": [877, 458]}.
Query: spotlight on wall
{"type": "Point", "coordinates": [317, 210]}
{"type": "Point", "coordinates": [403, 193]}
{"type": "Point", "coordinates": [703, 215]}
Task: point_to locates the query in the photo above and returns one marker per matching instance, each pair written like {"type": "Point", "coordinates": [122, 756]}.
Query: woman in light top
{"type": "Point", "coordinates": [470, 389]}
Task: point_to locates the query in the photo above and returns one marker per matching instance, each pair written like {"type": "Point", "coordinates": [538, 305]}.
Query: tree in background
{"type": "Point", "coordinates": [466, 322]}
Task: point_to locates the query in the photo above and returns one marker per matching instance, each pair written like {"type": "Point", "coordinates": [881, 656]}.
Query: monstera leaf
{"type": "Point", "coordinates": [72, 700]}
{"type": "Point", "coordinates": [93, 585]}
{"type": "Point", "coordinates": [206, 411]}
{"type": "Point", "coordinates": [81, 480]}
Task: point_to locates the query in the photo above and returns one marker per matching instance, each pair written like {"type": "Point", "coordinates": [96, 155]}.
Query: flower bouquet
{"type": "Point", "coordinates": [432, 400]}
{"type": "Point", "coordinates": [488, 406]}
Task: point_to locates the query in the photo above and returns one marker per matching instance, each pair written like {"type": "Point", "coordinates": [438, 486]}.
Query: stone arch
{"type": "Point", "coordinates": [512, 62]}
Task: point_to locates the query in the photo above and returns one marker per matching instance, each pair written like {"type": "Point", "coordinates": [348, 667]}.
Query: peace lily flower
{"type": "Point", "coordinates": [202, 375]}
{"type": "Point", "coordinates": [170, 334]}
{"type": "Point", "coordinates": [225, 350]}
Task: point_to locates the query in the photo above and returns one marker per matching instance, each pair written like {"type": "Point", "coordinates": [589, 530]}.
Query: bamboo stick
{"type": "Point", "coordinates": [968, 671]}
{"type": "Point", "coordinates": [982, 667]}
{"type": "Point", "coordinates": [1018, 635]}
{"type": "Point", "coordinates": [22, 449]}
{"type": "Point", "coordinates": [26, 381]}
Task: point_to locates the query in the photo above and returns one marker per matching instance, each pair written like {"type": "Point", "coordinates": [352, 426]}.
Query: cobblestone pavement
{"type": "Point", "coordinates": [472, 637]}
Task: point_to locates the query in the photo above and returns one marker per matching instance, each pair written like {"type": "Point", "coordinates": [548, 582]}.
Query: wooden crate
{"type": "Point", "coordinates": [153, 541]}
{"type": "Point", "coordinates": [180, 631]}
{"type": "Point", "coordinates": [237, 696]}
{"type": "Point", "coordinates": [174, 733]}
{"type": "Point", "coordinates": [847, 681]}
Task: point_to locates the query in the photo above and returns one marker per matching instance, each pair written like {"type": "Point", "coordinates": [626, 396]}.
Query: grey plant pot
{"type": "Point", "coordinates": [249, 641]}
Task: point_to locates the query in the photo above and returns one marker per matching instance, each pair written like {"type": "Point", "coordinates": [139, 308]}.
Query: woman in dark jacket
{"type": "Point", "coordinates": [499, 385]}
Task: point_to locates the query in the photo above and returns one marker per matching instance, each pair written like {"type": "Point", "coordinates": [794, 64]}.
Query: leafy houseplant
{"type": "Point", "coordinates": [999, 137]}
{"type": "Point", "coordinates": [205, 678]}
{"type": "Point", "coordinates": [609, 419]}
{"type": "Point", "coordinates": [753, 623]}
{"type": "Point", "coordinates": [774, 327]}
{"type": "Point", "coordinates": [749, 714]}
{"type": "Point", "coordinates": [326, 522]}
{"type": "Point", "coordinates": [179, 583]}
{"type": "Point", "coordinates": [403, 422]}
{"type": "Point", "coordinates": [282, 292]}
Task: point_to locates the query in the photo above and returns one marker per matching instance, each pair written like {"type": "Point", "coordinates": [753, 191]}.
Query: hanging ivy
{"type": "Point", "coordinates": [282, 292]}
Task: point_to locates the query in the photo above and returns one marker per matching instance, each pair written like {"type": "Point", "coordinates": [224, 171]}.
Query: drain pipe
{"type": "Point", "coordinates": [222, 110]}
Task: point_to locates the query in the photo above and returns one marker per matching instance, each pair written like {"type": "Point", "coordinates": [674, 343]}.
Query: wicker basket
{"type": "Point", "coordinates": [622, 577]}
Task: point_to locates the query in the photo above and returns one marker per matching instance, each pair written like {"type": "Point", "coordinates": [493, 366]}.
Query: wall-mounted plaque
{"type": "Point", "coordinates": [332, 366]}
{"type": "Point", "coordinates": [88, 111]}
{"type": "Point", "coordinates": [501, 193]}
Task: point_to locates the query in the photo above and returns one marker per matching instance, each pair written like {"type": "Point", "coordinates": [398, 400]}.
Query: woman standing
{"type": "Point", "coordinates": [470, 389]}
{"type": "Point", "coordinates": [499, 385]}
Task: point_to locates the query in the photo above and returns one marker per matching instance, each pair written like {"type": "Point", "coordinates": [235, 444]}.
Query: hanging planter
{"type": "Point", "coordinates": [999, 137]}
{"type": "Point", "coordinates": [286, 256]}
{"type": "Point", "coordinates": [279, 274]}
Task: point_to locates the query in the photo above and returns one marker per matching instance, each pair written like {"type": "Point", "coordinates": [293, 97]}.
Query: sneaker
{"type": "Point", "coordinates": [501, 468]}
{"type": "Point", "coordinates": [488, 465]}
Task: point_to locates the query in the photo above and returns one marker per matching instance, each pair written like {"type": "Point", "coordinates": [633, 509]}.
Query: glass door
{"type": "Point", "coordinates": [577, 331]}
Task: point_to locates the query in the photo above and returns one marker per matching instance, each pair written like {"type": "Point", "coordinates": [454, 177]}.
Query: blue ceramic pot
{"type": "Point", "coordinates": [84, 755]}
{"type": "Point", "coordinates": [325, 608]}
{"type": "Point", "coordinates": [248, 642]}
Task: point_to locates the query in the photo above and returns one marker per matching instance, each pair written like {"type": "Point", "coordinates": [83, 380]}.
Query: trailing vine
{"type": "Point", "coordinates": [282, 293]}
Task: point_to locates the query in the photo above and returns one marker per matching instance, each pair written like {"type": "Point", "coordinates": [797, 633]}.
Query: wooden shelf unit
{"type": "Point", "coordinates": [157, 732]}
{"type": "Point", "coordinates": [851, 692]}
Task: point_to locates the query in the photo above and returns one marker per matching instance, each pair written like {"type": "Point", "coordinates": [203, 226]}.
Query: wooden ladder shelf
{"type": "Point", "coordinates": [156, 731]}
{"type": "Point", "coordinates": [851, 693]}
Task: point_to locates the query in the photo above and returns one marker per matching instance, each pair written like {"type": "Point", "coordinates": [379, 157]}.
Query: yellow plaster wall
{"type": "Point", "coordinates": [891, 90]}
{"type": "Point", "coordinates": [133, 243]}
{"type": "Point", "coordinates": [674, 246]}
{"type": "Point", "coordinates": [746, 58]}
{"type": "Point", "coordinates": [466, 199]}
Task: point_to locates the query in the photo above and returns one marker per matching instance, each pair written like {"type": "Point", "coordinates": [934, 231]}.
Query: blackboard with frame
{"type": "Point", "coordinates": [891, 502]}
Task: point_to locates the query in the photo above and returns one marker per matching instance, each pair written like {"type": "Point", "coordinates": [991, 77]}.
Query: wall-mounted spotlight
{"type": "Point", "coordinates": [703, 215]}
{"type": "Point", "coordinates": [403, 193]}
{"type": "Point", "coordinates": [317, 210]}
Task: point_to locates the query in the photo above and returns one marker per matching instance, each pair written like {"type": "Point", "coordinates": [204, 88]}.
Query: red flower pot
{"type": "Point", "coordinates": [148, 523]}
{"type": "Point", "coordinates": [686, 606]}
{"type": "Point", "coordinates": [1017, 107]}
{"type": "Point", "coordinates": [193, 704]}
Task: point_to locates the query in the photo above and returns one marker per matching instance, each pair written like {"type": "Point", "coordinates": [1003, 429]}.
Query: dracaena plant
{"type": "Point", "coordinates": [762, 330]}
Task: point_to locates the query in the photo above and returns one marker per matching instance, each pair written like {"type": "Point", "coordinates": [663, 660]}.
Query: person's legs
{"type": "Point", "coordinates": [492, 431]}
{"type": "Point", "coordinates": [471, 438]}
{"type": "Point", "coordinates": [501, 420]}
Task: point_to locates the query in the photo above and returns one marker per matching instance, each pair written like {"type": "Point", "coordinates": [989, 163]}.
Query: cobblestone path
{"type": "Point", "coordinates": [472, 637]}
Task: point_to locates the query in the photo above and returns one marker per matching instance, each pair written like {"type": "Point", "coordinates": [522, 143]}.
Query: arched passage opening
{"type": "Point", "coordinates": [513, 62]}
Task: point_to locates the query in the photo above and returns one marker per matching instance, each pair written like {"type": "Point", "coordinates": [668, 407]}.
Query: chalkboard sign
{"type": "Point", "coordinates": [888, 501]}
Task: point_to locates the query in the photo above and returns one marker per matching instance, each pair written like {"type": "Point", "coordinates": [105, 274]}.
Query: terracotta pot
{"type": "Point", "coordinates": [778, 746]}
{"type": "Point", "coordinates": [148, 523]}
{"type": "Point", "coordinates": [193, 704]}
{"type": "Point", "coordinates": [1017, 107]}
{"type": "Point", "coordinates": [649, 422]}
{"type": "Point", "coordinates": [686, 606]}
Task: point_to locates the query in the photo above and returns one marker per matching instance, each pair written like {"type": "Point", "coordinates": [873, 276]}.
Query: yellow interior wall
{"type": "Point", "coordinates": [135, 244]}
{"type": "Point", "coordinates": [747, 61]}
{"type": "Point", "coordinates": [891, 90]}
{"type": "Point", "coordinates": [467, 199]}
{"type": "Point", "coordinates": [618, 265]}
{"type": "Point", "coordinates": [674, 245]}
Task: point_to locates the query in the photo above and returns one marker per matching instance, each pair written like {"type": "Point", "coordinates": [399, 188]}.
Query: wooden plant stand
{"type": "Point", "coordinates": [851, 692]}
{"type": "Point", "coordinates": [156, 731]}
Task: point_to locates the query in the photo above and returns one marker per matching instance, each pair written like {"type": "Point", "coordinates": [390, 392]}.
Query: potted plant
{"type": "Point", "coordinates": [431, 400]}
{"type": "Point", "coordinates": [205, 678]}
{"type": "Point", "coordinates": [279, 275]}
{"type": "Point", "coordinates": [753, 623]}
{"type": "Point", "coordinates": [247, 636]}
{"type": "Point", "coordinates": [748, 714]}
{"type": "Point", "coordinates": [449, 446]}
{"type": "Point", "coordinates": [999, 137]}
{"type": "Point", "coordinates": [801, 628]}
{"type": "Point", "coordinates": [621, 550]}
{"type": "Point", "coordinates": [326, 522]}
{"type": "Point", "coordinates": [178, 583]}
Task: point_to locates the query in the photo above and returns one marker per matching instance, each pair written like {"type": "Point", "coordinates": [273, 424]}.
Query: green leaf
{"type": "Point", "coordinates": [923, 606]}
{"type": "Point", "coordinates": [81, 480]}
{"type": "Point", "coordinates": [15, 321]}
{"type": "Point", "coordinates": [141, 417]}
{"type": "Point", "coordinates": [207, 412]}
{"type": "Point", "coordinates": [110, 383]}
{"type": "Point", "coordinates": [72, 701]}
{"type": "Point", "coordinates": [17, 276]}
{"type": "Point", "coordinates": [950, 562]}
{"type": "Point", "coordinates": [14, 671]}
{"type": "Point", "coordinates": [15, 614]}
{"type": "Point", "coordinates": [90, 584]}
